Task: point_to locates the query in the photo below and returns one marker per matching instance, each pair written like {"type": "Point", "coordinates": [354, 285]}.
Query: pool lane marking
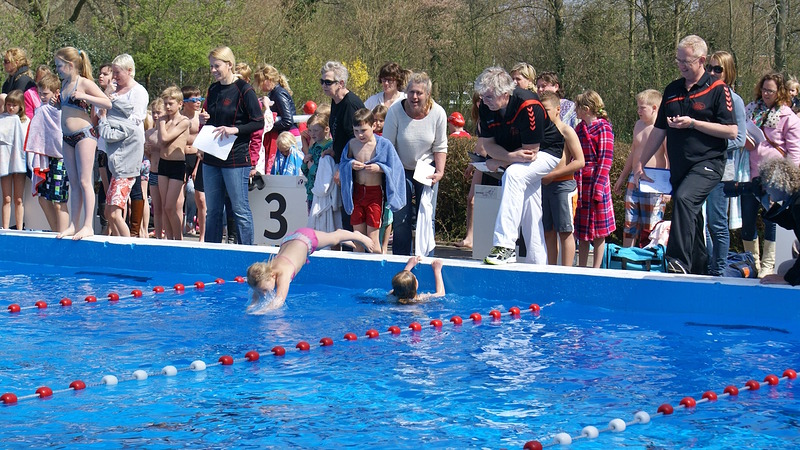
{"type": "Point", "coordinates": [114, 297]}
{"type": "Point", "coordinates": [642, 417]}
{"type": "Point", "coordinates": [9, 398]}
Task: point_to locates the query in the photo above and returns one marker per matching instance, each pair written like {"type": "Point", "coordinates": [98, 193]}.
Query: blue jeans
{"type": "Point", "coordinates": [750, 210]}
{"type": "Point", "coordinates": [406, 216]}
{"type": "Point", "coordinates": [233, 181]}
{"type": "Point", "coordinates": [718, 237]}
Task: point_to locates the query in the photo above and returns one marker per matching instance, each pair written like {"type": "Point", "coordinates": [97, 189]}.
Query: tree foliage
{"type": "Point", "coordinates": [616, 47]}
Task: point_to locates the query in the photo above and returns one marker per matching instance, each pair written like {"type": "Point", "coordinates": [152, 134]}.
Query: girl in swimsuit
{"type": "Point", "coordinates": [270, 280]}
{"type": "Point", "coordinates": [78, 93]}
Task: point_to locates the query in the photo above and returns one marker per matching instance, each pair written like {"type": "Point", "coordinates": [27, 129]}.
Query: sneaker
{"type": "Point", "coordinates": [675, 266]}
{"type": "Point", "coordinates": [501, 255]}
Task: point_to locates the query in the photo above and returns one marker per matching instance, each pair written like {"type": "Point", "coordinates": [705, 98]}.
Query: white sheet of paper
{"type": "Point", "coordinates": [660, 183]}
{"type": "Point", "coordinates": [754, 131]}
{"type": "Point", "coordinates": [219, 148]}
{"type": "Point", "coordinates": [423, 171]}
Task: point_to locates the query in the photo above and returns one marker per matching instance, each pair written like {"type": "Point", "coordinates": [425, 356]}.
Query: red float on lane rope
{"type": "Point", "coordinates": [65, 302]}
{"type": "Point", "coordinates": [514, 311]}
{"type": "Point", "coordinates": [199, 285]}
{"type": "Point", "coordinates": [731, 390]}
{"type": "Point", "coordinates": [239, 279]}
{"type": "Point", "coordinates": [219, 281]}
{"type": "Point", "coordinates": [350, 337]}
{"type": "Point", "coordinates": [77, 385]}
{"type": "Point", "coordinates": [688, 402]}
{"type": "Point", "coordinates": [665, 409]}
{"type": "Point", "coordinates": [753, 385]}
{"type": "Point", "coordinates": [303, 346]}
{"type": "Point", "coordinates": [44, 392]}
{"type": "Point", "coordinates": [771, 379]}
{"type": "Point", "coordinates": [179, 287]}
{"type": "Point", "coordinates": [326, 342]}
{"type": "Point", "coordinates": [394, 329]}
{"type": "Point", "coordinates": [475, 317]}
{"type": "Point", "coordinates": [436, 323]}
{"type": "Point", "coordinates": [710, 396]}
{"type": "Point", "coordinates": [372, 334]}
{"type": "Point", "coordinates": [252, 355]}
{"type": "Point", "coordinates": [41, 304]}
{"type": "Point", "coordinates": [415, 326]}
{"type": "Point", "coordinates": [90, 299]}
{"type": "Point", "coordinates": [225, 360]}
{"type": "Point", "coordinates": [136, 293]}
{"type": "Point", "coordinates": [495, 314]}
{"type": "Point", "coordinates": [158, 289]}
{"type": "Point", "coordinates": [278, 350]}
{"type": "Point", "coordinates": [8, 398]}
{"type": "Point", "coordinates": [790, 374]}
{"type": "Point", "coordinates": [113, 297]}
{"type": "Point", "coordinates": [533, 445]}
{"type": "Point", "coordinates": [535, 308]}
{"type": "Point", "coordinates": [13, 308]}
{"type": "Point", "coordinates": [456, 320]}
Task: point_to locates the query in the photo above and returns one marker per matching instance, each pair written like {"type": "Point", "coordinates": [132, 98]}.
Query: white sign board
{"type": "Point", "coordinates": [484, 214]}
{"type": "Point", "coordinates": [279, 208]}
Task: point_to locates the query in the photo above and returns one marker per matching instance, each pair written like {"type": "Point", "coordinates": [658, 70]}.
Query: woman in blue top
{"type": "Point", "coordinates": [233, 109]}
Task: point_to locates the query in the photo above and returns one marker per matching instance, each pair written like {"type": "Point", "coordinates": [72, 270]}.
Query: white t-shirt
{"type": "Point", "coordinates": [377, 99]}
{"type": "Point", "coordinates": [416, 139]}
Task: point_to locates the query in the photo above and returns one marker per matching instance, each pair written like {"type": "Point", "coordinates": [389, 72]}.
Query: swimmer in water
{"type": "Point", "coordinates": [270, 280]}
{"type": "Point", "coordinates": [405, 284]}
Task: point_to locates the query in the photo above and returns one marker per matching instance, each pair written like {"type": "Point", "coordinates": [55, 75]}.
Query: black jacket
{"type": "Point", "coordinates": [19, 80]}
{"type": "Point", "coordinates": [787, 215]}
{"type": "Point", "coordinates": [284, 106]}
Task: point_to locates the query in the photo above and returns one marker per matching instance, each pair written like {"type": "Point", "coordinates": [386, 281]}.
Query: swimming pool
{"type": "Point", "coordinates": [592, 355]}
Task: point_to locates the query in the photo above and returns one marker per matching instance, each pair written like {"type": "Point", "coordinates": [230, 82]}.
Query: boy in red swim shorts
{"type": "Point", "coordinates": [366, 170]}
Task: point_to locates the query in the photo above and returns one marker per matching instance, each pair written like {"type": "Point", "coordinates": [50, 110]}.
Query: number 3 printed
{"type": "Point", "coordinates": [278, 216]}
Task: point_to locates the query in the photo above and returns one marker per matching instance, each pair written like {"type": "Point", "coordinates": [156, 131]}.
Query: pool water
{"type": "Point", "coordinates": [494, 385]}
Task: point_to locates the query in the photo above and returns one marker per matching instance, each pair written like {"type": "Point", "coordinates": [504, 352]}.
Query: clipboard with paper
{"type": "Point", "coordinates": [219, 148]}
{"type": "Point", "coordinates": [660, 183]}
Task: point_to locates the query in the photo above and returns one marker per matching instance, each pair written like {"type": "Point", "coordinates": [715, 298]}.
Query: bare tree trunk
{"type": "Point", "coordinates": [558, 28]}
{"type": "Point", "coordinates": [631, 53]}
{"type": "Point", "coordinates": [781, 13]}
{"type": "Point", "coordinates": [647, 15]}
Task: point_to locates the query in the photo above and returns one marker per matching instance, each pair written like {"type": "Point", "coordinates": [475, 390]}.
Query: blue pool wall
{"type": "Point", "coordinates": [728, 300]}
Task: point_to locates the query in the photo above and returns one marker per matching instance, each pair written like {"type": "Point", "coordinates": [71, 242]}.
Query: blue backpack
{"type": "Point", "coordinates": [634, 258]}
{"type": "Point", "coordinates": [740, 265]}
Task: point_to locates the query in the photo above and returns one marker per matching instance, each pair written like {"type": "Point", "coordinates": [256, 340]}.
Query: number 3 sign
{"type": "Point", "coordinates": [279, 208]}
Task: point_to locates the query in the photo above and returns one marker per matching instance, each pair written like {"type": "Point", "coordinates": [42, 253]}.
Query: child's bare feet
{"type": "Point", "coordinates": [82, 233]}
{"type": "Point", "coordinates": [464, 244]}
{"type": "Point", "coordinates": [366, 242]}
{"type": "Point", "coordinates": [66, 233]}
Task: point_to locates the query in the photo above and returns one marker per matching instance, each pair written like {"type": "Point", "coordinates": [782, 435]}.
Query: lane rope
{"type": "Point", "coordinates": [9, 398]}
{"type": "Point", "coordinates": [114, 297]}
{"type": "Point", "coordinates": [641, 417]}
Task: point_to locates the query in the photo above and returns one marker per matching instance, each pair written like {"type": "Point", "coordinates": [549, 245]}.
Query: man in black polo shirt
{"type": "Point", "coordinates": [517, 133]}
{"type": "Point", "coordinates": [696, 116]}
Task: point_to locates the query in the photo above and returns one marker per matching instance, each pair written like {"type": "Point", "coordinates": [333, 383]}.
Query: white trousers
{"type": "Point", "coordinates": [522, 196]}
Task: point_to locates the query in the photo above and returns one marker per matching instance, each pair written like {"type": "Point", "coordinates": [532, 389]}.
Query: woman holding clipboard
{"type": "Point", "coordinates": [233, 110]}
